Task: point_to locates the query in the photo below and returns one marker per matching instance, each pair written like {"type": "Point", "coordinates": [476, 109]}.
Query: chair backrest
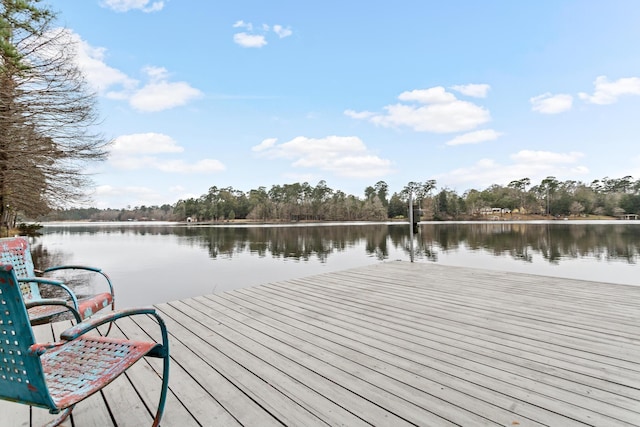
{"type": "Point", "coordinates": [21, 374]}
{"type": "Point", "coordinates": [15, 251]}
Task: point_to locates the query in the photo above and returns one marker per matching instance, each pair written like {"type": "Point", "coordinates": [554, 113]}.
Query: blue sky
{"type": "Point", "coordinates": [254, 93]}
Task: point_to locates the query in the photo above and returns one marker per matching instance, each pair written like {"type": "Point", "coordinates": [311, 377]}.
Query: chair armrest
{"type": "Point", "coordinates": [41, 348]}
{"type": "Point", "coordinates": [51, 301]}
{"type": "Point", "coordinates": [57, 283]}
{"type": "Point", "coordinates": [97, 320]}
{"type": "Point", "coordinates": [76, 267]}
{"type": "Point", "coordinates": [81, 267]}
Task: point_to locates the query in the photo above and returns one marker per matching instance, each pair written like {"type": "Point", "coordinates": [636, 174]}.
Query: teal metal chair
{"type": "Point", "coordinates": [15, 251]}
{"type": "Point", "coordinates": [58, 375]}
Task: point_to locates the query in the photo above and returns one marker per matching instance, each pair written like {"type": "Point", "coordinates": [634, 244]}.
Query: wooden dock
{"type": "Point", "coordinates": [392, 344]}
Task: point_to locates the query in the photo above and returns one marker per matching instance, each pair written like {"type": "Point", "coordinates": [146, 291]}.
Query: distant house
{"type": "Point", "coordinates": [628, 216]}
{"type": "Point", "coordinates": [494, 211]}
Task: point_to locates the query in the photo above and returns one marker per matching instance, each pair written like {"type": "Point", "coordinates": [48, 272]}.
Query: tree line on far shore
{"type": "Point", "coordinates": [304, 202]}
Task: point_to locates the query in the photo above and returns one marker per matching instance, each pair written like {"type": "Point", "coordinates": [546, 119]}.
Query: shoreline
{"type": "Point", "coordinates": [244, 222]}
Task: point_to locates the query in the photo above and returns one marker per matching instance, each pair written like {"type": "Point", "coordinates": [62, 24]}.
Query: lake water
{"type": "Point", "coordinates": [157, 262]}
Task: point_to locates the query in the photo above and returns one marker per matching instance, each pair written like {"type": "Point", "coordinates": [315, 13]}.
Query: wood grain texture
{"type": "Point", "coordinates": [391, 344]}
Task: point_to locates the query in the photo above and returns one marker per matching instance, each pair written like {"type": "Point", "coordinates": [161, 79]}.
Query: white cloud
{"type": "Point", "coordinates": [145, 143]}
{"type": "Point", "coordinates": [359, 115]}
{"type": "Point", "coordinates": [444, 113]}
{"type": "Point", "coordinates": [264, 145]}
{"type": "Point", "coordinates": [551, 104]}
{"type": "Point", "coordinates": [91, 61]}
{"type": "Point", "coordinates": [159, 94]}
{"type": "Point", "coordinates": [535, 165]}
{"type": "Point", "coordinates": [249, 40]}
{"type": "Point", "coordinates": [108, 190]}
{"type": "Point", "coordinates": [135, 152]}
{"type": "Point", "coordinates": [546, 157]}
{"type": "Point", "coordinates": [580, 170]}
{"type": "Point", "coordinates": [170, 166]}
{"type": "Point", "coordinates": [180, 166]}
{"type": "Point", "coordinates": [258, 38]}
{"type": "Point", "coordinates": [130, 163]}
{"type": "Point", "coordinates": [156, 74]}
{"type": "Point", "coordinates": [434, 95]}
{"type": "Point", "coordinates": [110, 196]}
{"type": "Point", "coordinates": [156, 95]}
{"type": "Point", "coordinates": [456, 116]}
{"type": "Point", "coordinates": [362, 166]}
{"type": "Point", "coordinates": [127, 5]}
{"type": "Point", "coordinates": [475, 90]}
{"type": "Point", "coordinates": [475, 137]}
{"type": "Point", "coordinates": [242, 24]}
{"type": "Point", "coordinates": [301, 177]}
{"type": "Point", "coordinates": [345, 156]}
{"type": "Point", "coordinates": [281, 31]}
{"type": "Point", "coordinates": [608, 92]}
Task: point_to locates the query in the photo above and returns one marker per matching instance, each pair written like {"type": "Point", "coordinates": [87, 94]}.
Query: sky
{"type": "Point", "coordinates": [249, 93]}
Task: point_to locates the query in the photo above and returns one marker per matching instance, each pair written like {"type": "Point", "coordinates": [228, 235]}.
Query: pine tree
{"type": "Point", "coordinates": [48, 115]}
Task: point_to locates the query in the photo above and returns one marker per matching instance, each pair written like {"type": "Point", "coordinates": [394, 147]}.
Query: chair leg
{"type": "Point", "coordinates": [165, 369]}
{"type": "Point", "coordinates": [163, 392]}
{"type": "Point", "coordinates": [113, 308]}
{"type": "Point", "coordinates": [61, 417]}
{"type": "Point", "coordinates": [108, 329]}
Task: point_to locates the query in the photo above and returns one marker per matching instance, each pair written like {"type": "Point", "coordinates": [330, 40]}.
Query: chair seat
{"type": "Point", "coordinates": [44, 313]}
{"type": "Point", "coordinates": [88, 306]}
{"type": "Point", "coordinates": [83, 366]}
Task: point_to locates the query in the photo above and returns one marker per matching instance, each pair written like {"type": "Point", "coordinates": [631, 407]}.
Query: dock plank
{"type": "Point", "coordinates": [144, 385]}
{"type": "Point", "coordinates": [449, 317]}
{"type": "Point", "coordinates": [345, 352]}
{"type": "Point", "coordinates": [451, 362]}
{"type": "Point", "coordinates": [413, 361]}
{"type": "Point", "coordinates": [394, 343]}
{"type": "Point", "coordinates": [285, 394]}
{"type": "Point", "coordinates": [352, 379]}
{"type": "Point", "coordinates": [190, 383]}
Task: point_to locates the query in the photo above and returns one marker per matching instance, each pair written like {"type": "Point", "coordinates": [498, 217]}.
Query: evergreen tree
{"type": "Point", "coordinates": [47, 114]}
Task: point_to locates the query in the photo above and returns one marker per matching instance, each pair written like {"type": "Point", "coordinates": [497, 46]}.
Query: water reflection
{"type": "Point", "coordinates": [553, 241]}
{"type": "Point", "coordinates": [160, 262]}
{"type": "Point", "coordinates": [296, 242]}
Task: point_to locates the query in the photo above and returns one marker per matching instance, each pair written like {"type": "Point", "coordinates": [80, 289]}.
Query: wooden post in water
{"type": "Point", "coordinates": [411, 226]}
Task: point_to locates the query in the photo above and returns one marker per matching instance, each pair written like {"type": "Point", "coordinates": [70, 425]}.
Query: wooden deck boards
{"type": "Point", "coordinates": [392, 344]}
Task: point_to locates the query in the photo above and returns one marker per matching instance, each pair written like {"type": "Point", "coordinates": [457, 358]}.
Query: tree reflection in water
{"type": "Point", "coordinates": [554, 241]}
{"type": "Point", "coordinates": [143, 257]}
{"type": "Point", "coordinates": [299, 243]}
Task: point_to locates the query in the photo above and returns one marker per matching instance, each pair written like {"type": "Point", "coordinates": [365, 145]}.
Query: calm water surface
{"type": "Point", "coordinates": [157, 262]}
